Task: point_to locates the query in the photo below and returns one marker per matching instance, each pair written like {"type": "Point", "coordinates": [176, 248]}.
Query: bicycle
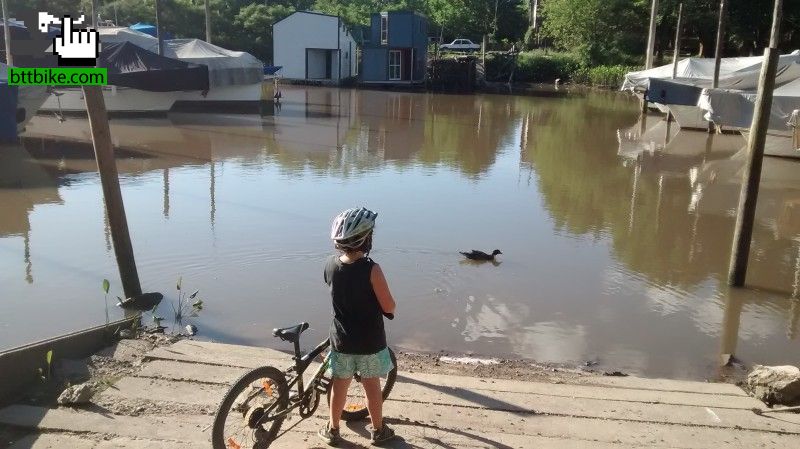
{"type": "Point", "coordinates": [262, 398]}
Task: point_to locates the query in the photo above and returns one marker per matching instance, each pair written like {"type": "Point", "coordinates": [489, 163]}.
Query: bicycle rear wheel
{"type": "Point", "coordinates": [245, 403]}
{"type": "Point", "coordinates": [355, 409]}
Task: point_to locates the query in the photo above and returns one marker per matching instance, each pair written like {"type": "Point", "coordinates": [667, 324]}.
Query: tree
{"type": "Point", "coordinates": [256, 20]}
{"type": "Point", "coordinates": [599, 31]}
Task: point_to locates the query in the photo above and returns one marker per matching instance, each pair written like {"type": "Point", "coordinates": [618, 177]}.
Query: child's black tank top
{"type": "Point", "coordinates": [357, 326]}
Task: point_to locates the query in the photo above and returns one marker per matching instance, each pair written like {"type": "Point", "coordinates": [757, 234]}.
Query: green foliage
{"type": "Point", "coordinates": [601, 76]}
{"type": "Point", "coordinates": [534, 67]}
{"type": "Point", "coordinates": [599, 31]}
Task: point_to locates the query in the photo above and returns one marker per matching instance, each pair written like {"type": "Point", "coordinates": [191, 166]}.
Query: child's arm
{"type": "Point", "coordinates": [381, 288]}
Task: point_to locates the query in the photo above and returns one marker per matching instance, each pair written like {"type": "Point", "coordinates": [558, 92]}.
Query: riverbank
{"type": "Point", "coordinates": [167, 396]}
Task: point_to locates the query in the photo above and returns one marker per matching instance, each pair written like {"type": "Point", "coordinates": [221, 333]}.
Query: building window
{"type": "Point", "coordinates": [384, 29]}
{"type": "Point", "coordinates": [395, 65]}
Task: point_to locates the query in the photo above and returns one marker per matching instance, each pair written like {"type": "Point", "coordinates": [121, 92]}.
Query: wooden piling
{"type": "Point", "coordinates": [94, 14]}
{"type": "Point", "coordinates": [718, 50]}
{"type": "Point", "coordinates": [159, 34]}
{"type": "Point", "coordinates": [7, 33]}
{"type": "Point", "coordinates": [676, 53]}
{"type": "Point", "coordinates": [748, 196]}
{"type": "Point", "coordinates": [651, 37]}
{"type": "Point", "coordinates": [208, 22]}
{"type": "Point", "coordinates": [112, 195]}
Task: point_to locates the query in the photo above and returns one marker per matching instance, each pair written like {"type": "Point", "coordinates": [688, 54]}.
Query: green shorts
{"type": "Point", "coordinates": [344, 366]}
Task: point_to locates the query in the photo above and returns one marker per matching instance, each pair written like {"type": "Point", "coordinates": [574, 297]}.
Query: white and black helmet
{"type": "Point", "coordinates": [351, 224]}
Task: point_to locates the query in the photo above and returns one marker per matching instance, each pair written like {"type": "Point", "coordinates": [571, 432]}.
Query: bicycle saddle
{"type": "Point", "coordinates": [291, 333]}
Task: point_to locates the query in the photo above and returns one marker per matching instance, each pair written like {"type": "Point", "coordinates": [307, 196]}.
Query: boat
{"type": "Point", "coordinates": [140, 82]}
{"type": "Point", "coordinates": [235, 77]}
{"type": "Point", "coordinates": [735, 109]}
{"type": "Point", "coordinates": [25, 100]}
{"type": "Point", "coordinates": [678, 96]}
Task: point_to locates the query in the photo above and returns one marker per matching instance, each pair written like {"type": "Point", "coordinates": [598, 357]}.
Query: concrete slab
{"type": "Point", "coordinates": [585, 391]}
{"type": "Point", "coordinates": [172, 428]}
{"type": "Point", "coordinates": [92, 441]}
{"type": "Point", "coordinates": [220, 354]}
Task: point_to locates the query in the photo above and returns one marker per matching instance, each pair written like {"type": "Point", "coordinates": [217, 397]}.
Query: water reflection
{"type": "Point", "coordinates": [618, 231]}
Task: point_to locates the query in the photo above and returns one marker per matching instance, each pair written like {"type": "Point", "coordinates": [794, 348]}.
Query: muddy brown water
{"type": "Point", "coordinates": [615, 232]}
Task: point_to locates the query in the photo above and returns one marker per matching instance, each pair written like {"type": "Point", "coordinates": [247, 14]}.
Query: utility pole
{"type": "Point", "coordinates": [208, 22]}
{"type": "Point", "coordinates": [112, 195]}
{"type": "Point", "coordinates": [677, 52]}
{"type": "Point", "coordinates": [7, 34]}
{"type": "Point", "coordinates": [158, 29]}
{"type": "Point", "coordinates": [748, 197]}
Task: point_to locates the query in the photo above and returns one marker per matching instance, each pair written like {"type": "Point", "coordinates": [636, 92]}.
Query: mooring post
{"type": "Point", "coordinates": [718, 50]}
{"type": "Point", "coordinates": [112, 195]}
{"type": "Point", "coordinates": [651, 44]}
{"type": "Point", "coordinates": [159, 34]}
{"type": "Point", "coordinates": [208, 22]}
{"type": "Point", "coordinates": [676, 53]}
{"type": "Point", "coordinates": [7, 34]}
{"type": "Point", "coordinates": [651, 36]}
{"type": "Point", "coordinates": [94, 14]}
{"type": "Point", "coordinates": [748, 197]}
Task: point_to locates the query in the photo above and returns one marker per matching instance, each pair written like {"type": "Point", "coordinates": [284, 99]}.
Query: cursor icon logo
{"type": "Point", "coordinates": [74, 47]}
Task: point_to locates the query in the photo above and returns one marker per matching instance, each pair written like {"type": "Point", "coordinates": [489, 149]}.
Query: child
{"type": "Point", "coordinates": [361, 298]}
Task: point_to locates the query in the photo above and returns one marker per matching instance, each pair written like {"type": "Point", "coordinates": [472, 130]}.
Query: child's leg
{"type": "Point", "coordinates": [372, 386]}
{"type": "Point", "coordinates": [338, 399]}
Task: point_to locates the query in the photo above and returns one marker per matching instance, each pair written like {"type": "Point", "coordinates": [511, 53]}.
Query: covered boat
{"type": "Point", "coordinates": [679, 95]}
{"type": "Point", "coordinates": [733, 108]}
{"type": "Point", "coordinates": [140, 81]}
{"type": "Point", "coordinates": [235, 77]}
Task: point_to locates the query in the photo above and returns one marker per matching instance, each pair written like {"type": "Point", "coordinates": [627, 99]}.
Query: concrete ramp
{"type": "Point", "coordinates": [185, 381]}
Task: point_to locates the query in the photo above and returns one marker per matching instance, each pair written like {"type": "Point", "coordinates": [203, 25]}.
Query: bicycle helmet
{"type": "Point", "coordinates": [352, 226]}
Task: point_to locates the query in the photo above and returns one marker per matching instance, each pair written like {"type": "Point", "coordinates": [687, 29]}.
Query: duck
{"type": "Point", "coordinates": [480, 255]}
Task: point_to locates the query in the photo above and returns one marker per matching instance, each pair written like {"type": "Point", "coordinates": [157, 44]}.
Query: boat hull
{"type": "Point", "coordinates": [30, 100]}
{"type": "Point", "coordinates": [119, 100]}
{"type": "Point", "coordinates": [244, 98]}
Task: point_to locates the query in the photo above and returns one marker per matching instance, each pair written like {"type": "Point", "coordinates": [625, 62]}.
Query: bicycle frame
{"type": "Point", "coordinates": [301, 363]}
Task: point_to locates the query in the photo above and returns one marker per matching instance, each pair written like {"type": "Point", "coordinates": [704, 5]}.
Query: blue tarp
{"type": "Point", "coordinates": [145, 28]}
{"type": "Point", "coordinates": [271, 69]}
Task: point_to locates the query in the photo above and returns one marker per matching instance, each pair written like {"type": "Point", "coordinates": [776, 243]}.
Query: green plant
{"type": "Point", "coordinates": [106, 287]}
{"type": "Point", "coordinates": [185, 305]}
{"type": "Point", "coordinates": [45, 376]}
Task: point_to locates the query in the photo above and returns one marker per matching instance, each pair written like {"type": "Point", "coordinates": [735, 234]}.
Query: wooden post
{"type": "Point", "coordinates": [483, 49]}
{"type": "Point", "coordinates": [720, 38]}
{"type": "Point", "coordinates": [676, 53]}
{"type": "Point", "coordinates": [748, 196]}
{"type": "Point", "coordinates": [158, 29]}
{"type": "Point", "coordinates": [731, 319]}
{"type": "Point", "coordinates": [651, 36]}
{"type": "Point", "coordinates": [7, 34]}
{"type": "Point", "coordinates": [208, 22]}
{"type": "Point", "coordinates": [112, 195]}
{"type": "Point", "coordinates": [94, 14]}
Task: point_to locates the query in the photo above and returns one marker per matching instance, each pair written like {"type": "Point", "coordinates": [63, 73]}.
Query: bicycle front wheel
{"type": "Point", "coordinates": [355, 409]}
{"type": "Point", "coordinates": [257, 395]}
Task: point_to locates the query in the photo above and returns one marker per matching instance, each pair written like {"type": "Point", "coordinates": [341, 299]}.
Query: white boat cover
{"type": "Point", "coordinates": [225, 67]}
{"type": "Point", "coordinates": [734, 73]}
{"type": "Point", "coordinates": [735, 108]}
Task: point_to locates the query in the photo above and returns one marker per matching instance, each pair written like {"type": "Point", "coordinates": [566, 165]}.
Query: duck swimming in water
{"type": "Point", "coordinates": [480, 255]}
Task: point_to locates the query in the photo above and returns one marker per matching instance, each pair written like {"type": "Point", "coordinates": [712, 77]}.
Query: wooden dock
{"type": "Point", "coordinates": [189, 378]}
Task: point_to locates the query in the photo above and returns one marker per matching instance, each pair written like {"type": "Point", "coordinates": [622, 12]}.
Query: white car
{"type": "Point", "coordinates": [461, 45]}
